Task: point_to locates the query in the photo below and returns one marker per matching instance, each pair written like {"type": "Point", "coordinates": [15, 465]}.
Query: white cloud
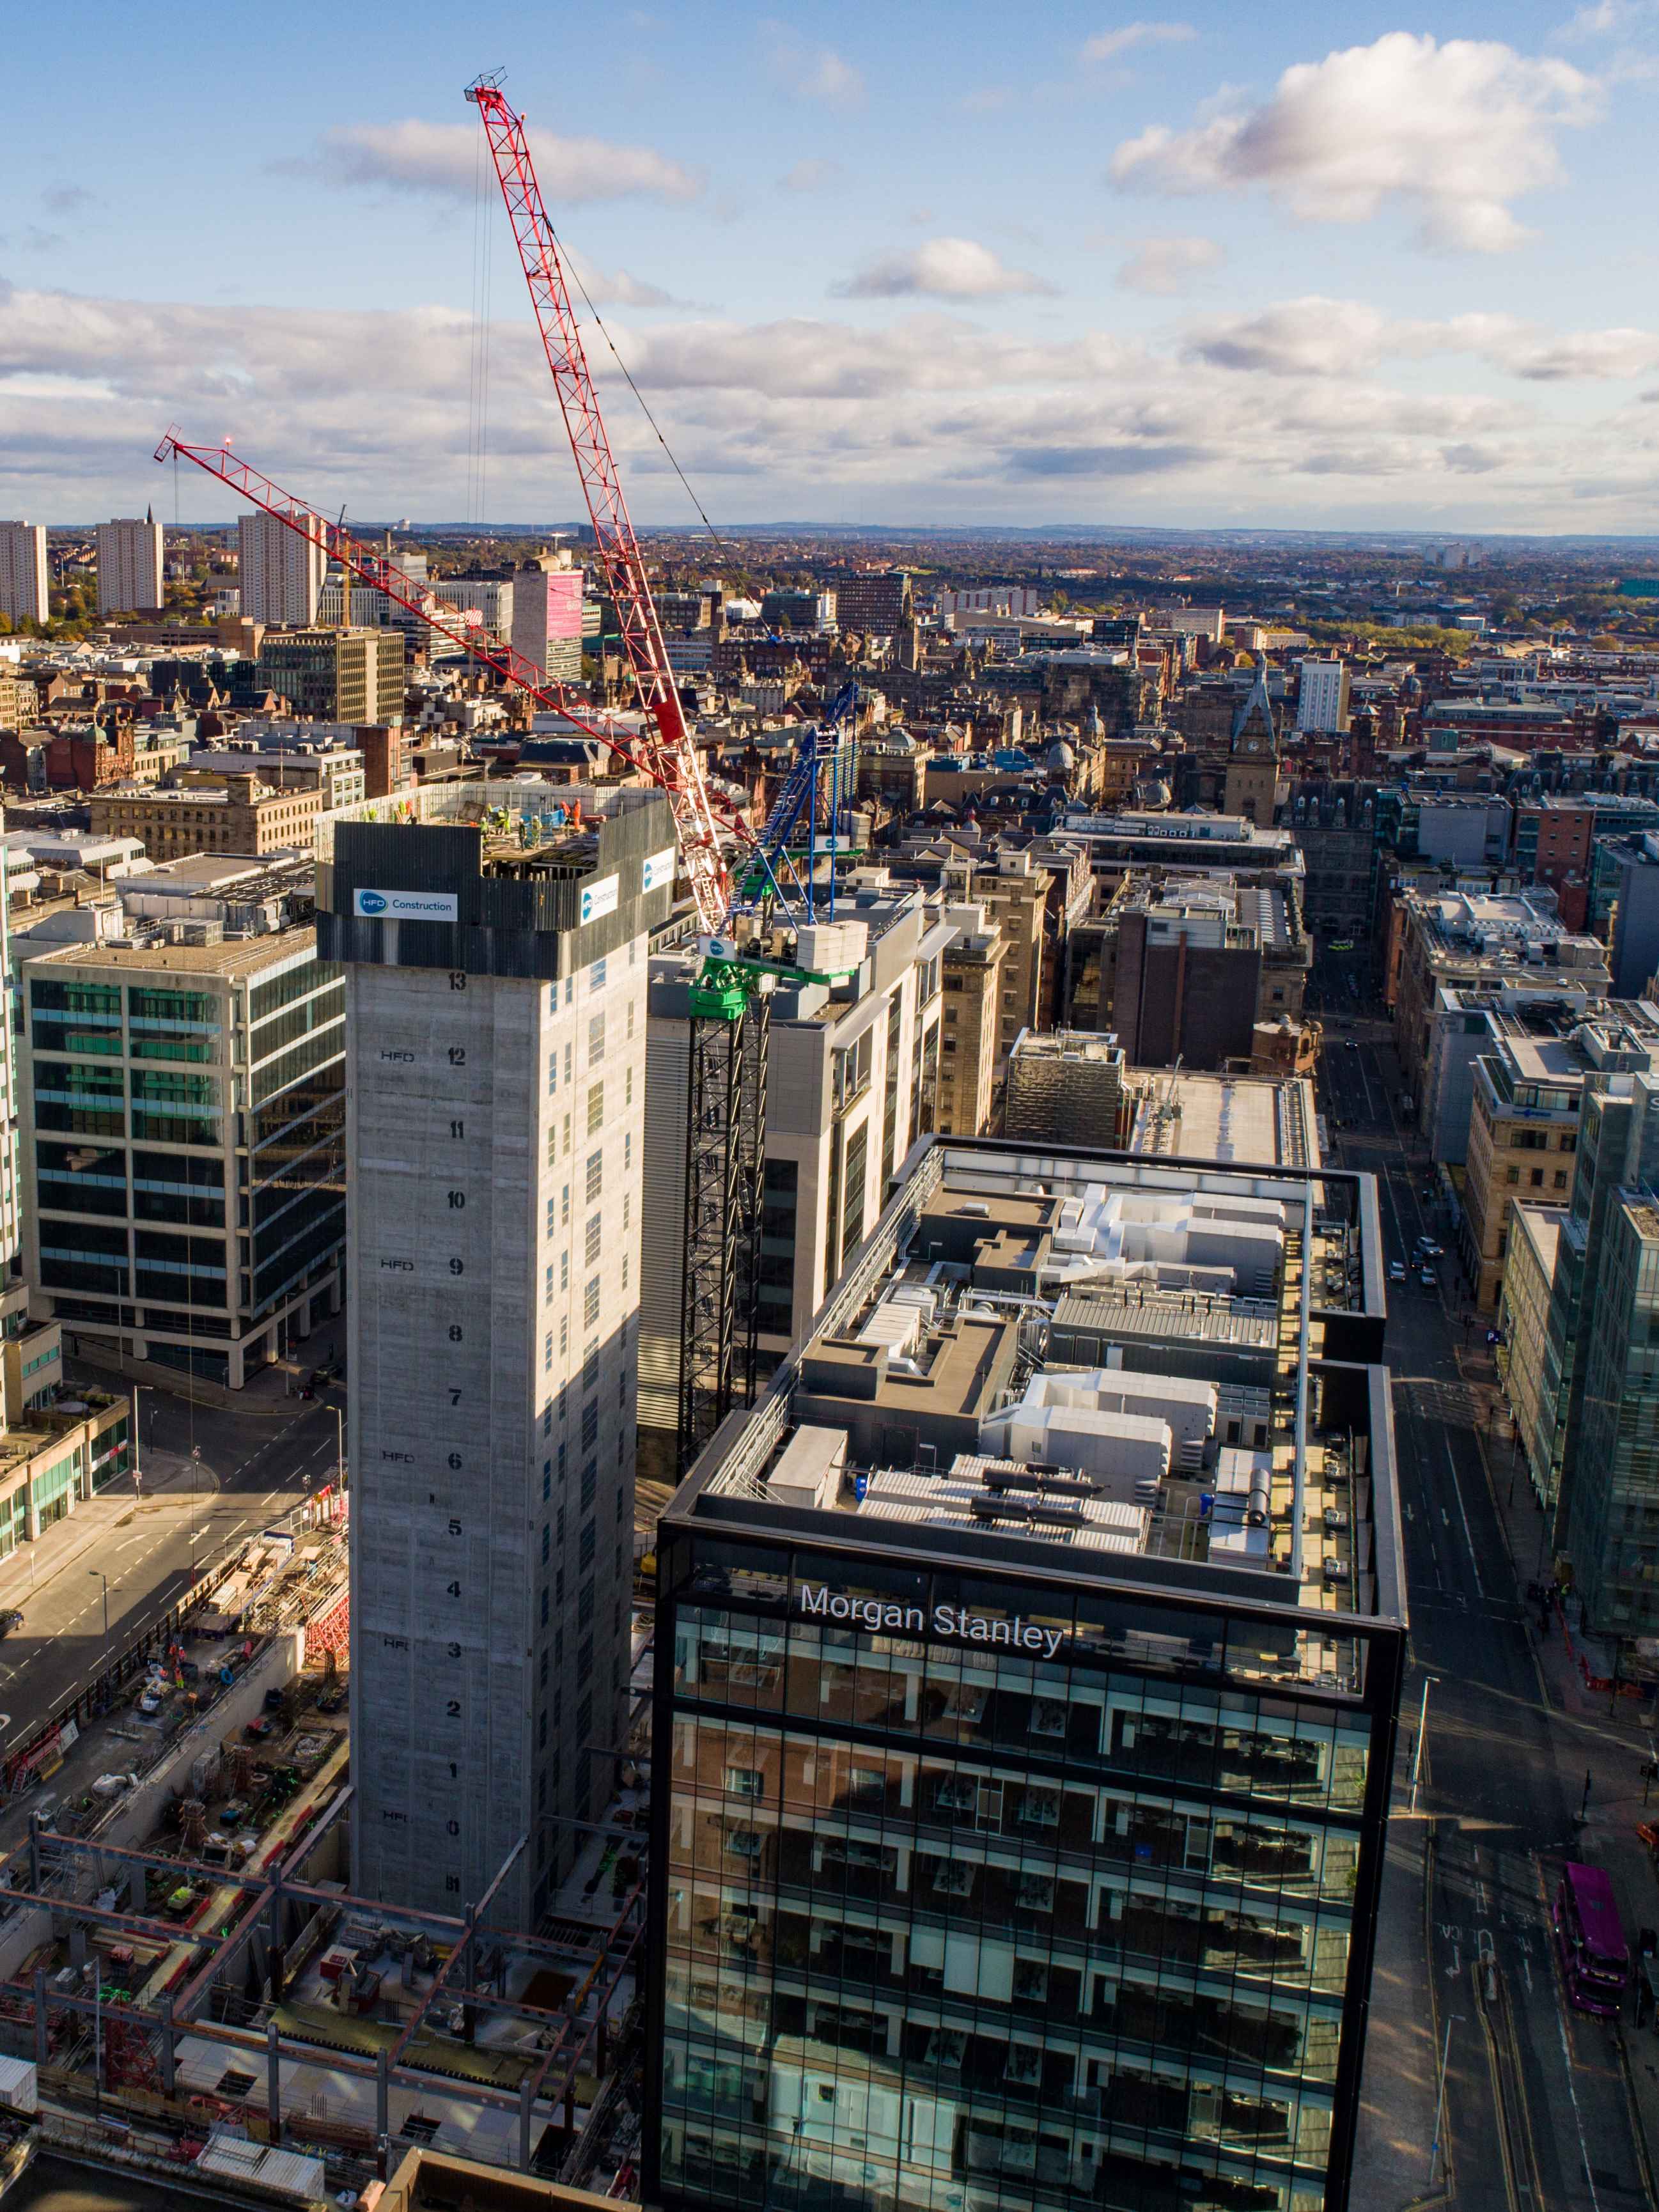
{"type": "Point", "coordinates": [940, 269]}
{"type": "Point", "coordinates": [442, 158]}
{"type": "Point", "coordinates": [1323, 338]}
{"type": "Point", "coordinates": [1107, 46]}
{"type": "Point", "coordinates": [1456, 131]}
{"type": "Point", "coordinates": [812, 173]}
{"type": "Point", "coordinates": [807, 71]}
{"type": "Point", "coordinates": [1605, 19]}
{"type": "Point", "coordinates": [1164, 265]}
{"type": "Point", "coordinates": [932, 415]}
{"type": "Point", "coordinates": [616, 287]}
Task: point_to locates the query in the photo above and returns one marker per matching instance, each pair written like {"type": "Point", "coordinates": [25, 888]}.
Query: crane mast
{"type": "Point", "coordinates": [729, 1023]}
{"type": "Point", "coordinates": [679, 769]}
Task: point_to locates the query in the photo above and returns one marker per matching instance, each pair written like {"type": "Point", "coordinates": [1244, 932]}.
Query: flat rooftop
{"type": "Point", "coordinates": [1259, 1120]}
{"type": "Point", "coordinates": [232, 958]}
{"type": "Point", "coordinates": [1161, 1373]}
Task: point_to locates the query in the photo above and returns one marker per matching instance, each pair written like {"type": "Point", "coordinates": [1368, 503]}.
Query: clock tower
{"type": "Point", "coordinates": [1252, 785]}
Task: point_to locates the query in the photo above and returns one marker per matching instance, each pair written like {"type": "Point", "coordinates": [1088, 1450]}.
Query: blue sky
{"type": "Point", "coordinates": [1330, 266]}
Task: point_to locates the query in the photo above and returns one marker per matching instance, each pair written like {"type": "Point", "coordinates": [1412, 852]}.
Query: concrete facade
{"type": "Point", "coordinates": [854, 1076]}
{"type": "Point", "coordinates": [495, 1127]}
{"type": "Point", "coordinates": [129, 564]}
{"type": "Point", "coordinates": [280, 573]}
{"type": "Point", "coordinates": [967, 1042]}
{"type": "Point", "coordinates": [23, 592]}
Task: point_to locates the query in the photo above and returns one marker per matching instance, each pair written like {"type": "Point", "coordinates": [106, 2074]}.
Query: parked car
{"type": "Point", "coordinates": [10, 1619]}
{"type": "Point", "coordinates": [1396, 1271]}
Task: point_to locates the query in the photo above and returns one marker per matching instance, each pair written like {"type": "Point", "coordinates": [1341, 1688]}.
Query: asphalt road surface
{"type": "Point", "coordinates": [1535, 2102]}
{"type": "Point", "coordinates": [253, 1467]}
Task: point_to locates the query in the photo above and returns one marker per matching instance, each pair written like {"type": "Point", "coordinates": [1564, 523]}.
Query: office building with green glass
{"type": "Point", "coordinates": [183, 1142]}
{"type": "Point", "coordinates": [1028, 1663]}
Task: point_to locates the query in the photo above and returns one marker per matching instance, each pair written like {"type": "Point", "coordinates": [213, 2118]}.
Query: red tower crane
{"type": "Point", "coordinates": [678, 768]}
{"type": "Point", "coordinates": [643, 753]}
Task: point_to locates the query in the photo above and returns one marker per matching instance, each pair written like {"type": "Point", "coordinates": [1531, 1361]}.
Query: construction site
{"type": "Point", "coordinates": [191, 1987]}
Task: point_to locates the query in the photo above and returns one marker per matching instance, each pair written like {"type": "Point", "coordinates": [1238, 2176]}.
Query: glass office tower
{"type": "Point", "coordinates": [1002, 1867]}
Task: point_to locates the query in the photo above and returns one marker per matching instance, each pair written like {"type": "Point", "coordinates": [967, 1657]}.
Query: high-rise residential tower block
{"type": "Point", "coordinates": [281, 572]}
{"type": "Point", "coordinates": [129, 566]}
{"type": "Point", "coordinates": [23, 572]}
{"type": "Point", "coordinates": [496, 965]}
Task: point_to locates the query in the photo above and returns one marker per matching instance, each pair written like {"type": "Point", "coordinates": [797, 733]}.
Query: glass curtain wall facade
{"type": "Point", "coordinates": [187, 1139]}
{"type": "Point", "coordinates": [994, 1890]}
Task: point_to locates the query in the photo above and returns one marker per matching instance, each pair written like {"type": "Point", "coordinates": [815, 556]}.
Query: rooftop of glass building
{"type": "Point", "coordinates": [1152, 1371]}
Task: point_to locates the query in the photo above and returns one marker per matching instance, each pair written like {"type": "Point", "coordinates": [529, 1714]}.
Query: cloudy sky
{"type": "Point", "coordinates": [1316, 266]}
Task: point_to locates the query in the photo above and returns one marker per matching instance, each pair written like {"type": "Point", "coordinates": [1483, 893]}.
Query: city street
{"type": "Point", "coordinates": [255, 1462]}
{"type": "Point", "coordinates": [1536, 2108]}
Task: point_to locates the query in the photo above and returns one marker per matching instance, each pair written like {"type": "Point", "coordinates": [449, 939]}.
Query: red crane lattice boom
{"type": "Point", "coordinates": [381, 574]}
{"type": "Point", "coordinates": [678, 768]}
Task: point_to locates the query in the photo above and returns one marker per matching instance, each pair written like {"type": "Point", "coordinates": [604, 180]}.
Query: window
{"type": "Point", "coordinates": [596, 1038]}
{"type": "Point", "coordinates": [552, 1074]}
{"type": "Point", "coordinates": [547, 1291]}
{"type": "Point", "coordinates": [595, 1175]}
{"type": "Point", "coordinates": [547, 1354]}
{"type": "Point", "coordinates": [594, 1238]}
{"type": "Point", "coordinates": [552, 1219]}
{"type": "Point", "coordinates": [564, 1336]}
{"type": "Point", "coordinates": [596, 976]}
{"type": "Point", "coordinates": [591, 1302]}
{"type": "Point", "coordinates": [564, 1207]}
{"type": "Point", "coordinates": [590, 1482]}
{"type": "Point", "coordinates": [590, 1424]}
{"type": "Point", "coordinates": [628, 1135]}
{"type": "Point", "coordinates": [744, 1782]}
{"type": "Point", "coordinates": [591, 1366]}
{"type": "Point", "coordinates": [564, 1271]}
{"type": "Point", "coordinates": [595, 1108]}
{"type": "Point", "coordinates": [851, 1220]}
{"type": "Point", "coordinates": [850, 1070]}
{"type": "Point", "coordinates": [627, 1088]}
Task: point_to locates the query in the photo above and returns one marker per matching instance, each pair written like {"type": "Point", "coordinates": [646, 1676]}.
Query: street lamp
{"type": "Point", "coordinates": [99, 1576]}
{"type": "Point", "coordinates": [1422, 1722]}
{"type": "Point", "coordinates": [138, 1437]}
{"type": "Point", "coordinates": [1440, 2095]}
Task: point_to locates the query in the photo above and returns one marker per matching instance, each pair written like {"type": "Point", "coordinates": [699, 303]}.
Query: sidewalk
{"type": "Point", "coordinates": [1598, 1740]}
{"type": "Point", "coordinates": [1398, 2083]}
{"type": "Point", "coordinates": [31, 1567]}
{"type": "Point", "coordinates": [270, 1391]}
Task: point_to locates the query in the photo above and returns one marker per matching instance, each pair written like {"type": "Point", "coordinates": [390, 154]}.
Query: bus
{"type": "Point", "coordinates": [1594, 1956]}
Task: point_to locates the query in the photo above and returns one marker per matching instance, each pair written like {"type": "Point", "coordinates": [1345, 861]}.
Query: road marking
{"type": "Point", "coordinates": [1577, 2117]}
{"type": "Point", "coordinates": [1457, 1493]}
